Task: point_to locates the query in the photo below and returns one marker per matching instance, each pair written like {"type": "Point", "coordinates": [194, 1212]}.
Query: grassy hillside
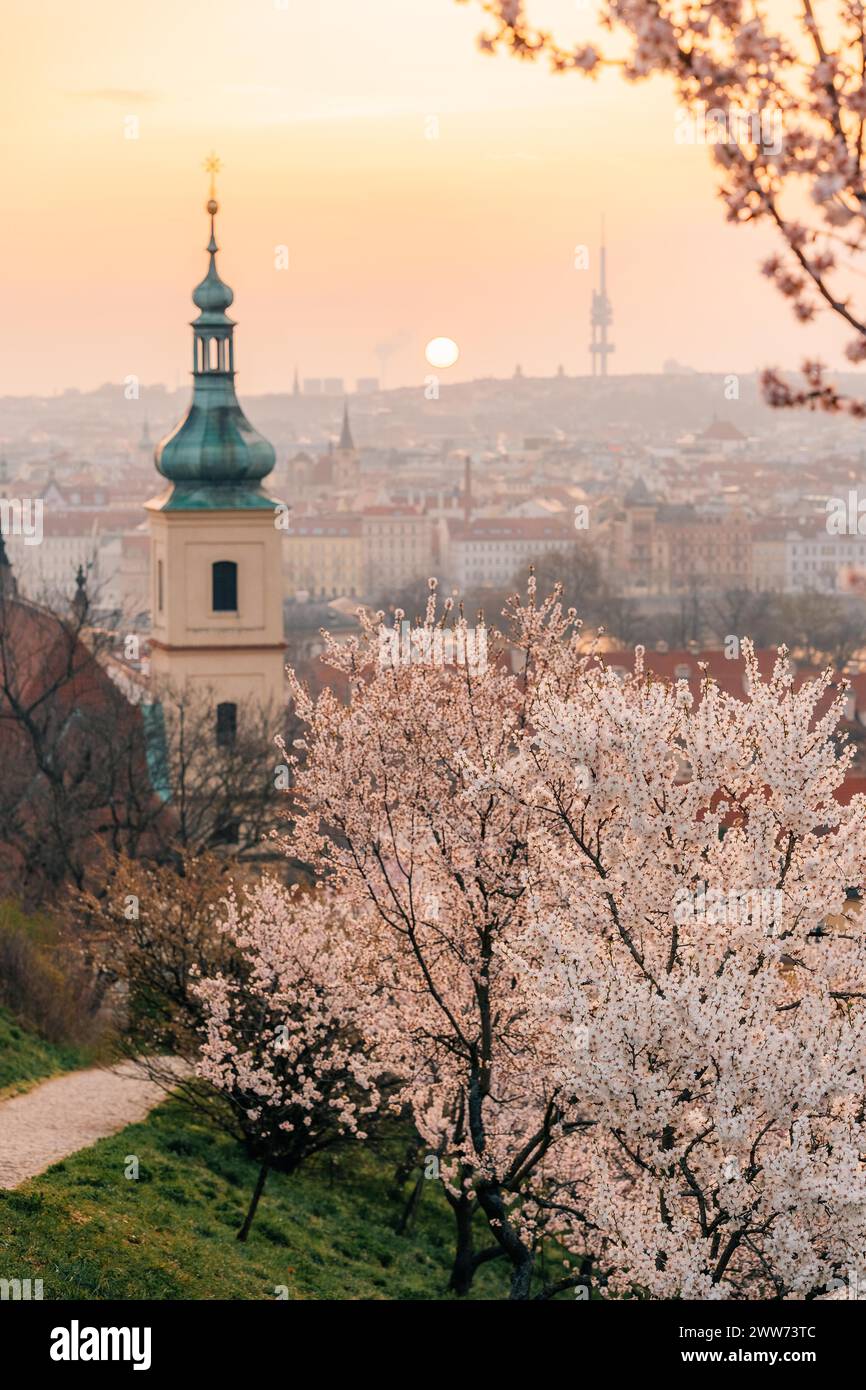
{"type": "Point", "coordinates": [325, 1233]}
{"type": "Point", "coordinates": [45, 994]}
{"type": "Point", "coordinates": [25, 1058]}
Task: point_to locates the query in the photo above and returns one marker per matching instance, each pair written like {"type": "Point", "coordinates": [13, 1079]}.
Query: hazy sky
{"type": "Point", "coordinates": [319, 110]}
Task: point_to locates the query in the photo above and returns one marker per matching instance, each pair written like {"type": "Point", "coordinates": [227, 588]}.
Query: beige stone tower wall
{"type": "Point", "coordinates": [239, 655]}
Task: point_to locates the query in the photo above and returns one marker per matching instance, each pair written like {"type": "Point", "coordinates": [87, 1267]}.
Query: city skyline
{"type": "Point", "coordinates": [444, 193]}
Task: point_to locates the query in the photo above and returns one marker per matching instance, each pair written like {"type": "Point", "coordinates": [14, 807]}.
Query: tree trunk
{"type": "Point", "coordinates": [519, 1255]}
{"type": "Point", "coordinates": [405, 1168]}
{"type": "Point", "coordinates": [259, 1188]}
{"type": "Point", "coordinates": [407, 1220]}
{"type": "Point", "coordinates": [463, 1269]}
{"type": "Point", "coordinates": [521, 1278]}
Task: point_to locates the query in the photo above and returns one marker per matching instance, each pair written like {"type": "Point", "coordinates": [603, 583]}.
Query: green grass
{"type": "Point", "coordinates": [26, 1058]}
{"type": "Point", "coordinates": [326, 1232]}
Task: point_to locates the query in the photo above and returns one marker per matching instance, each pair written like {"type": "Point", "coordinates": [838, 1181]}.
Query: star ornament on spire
{"type": "Point", "coordinates": [212, 166]}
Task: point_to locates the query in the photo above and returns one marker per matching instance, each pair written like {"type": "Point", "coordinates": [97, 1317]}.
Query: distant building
{"type": "Point", "coordinates": [769, 552]}
{"type": "Point", "coordinates": [491, 551]}
{"type": "Point", "coordinates": [337, 470]}
{"type": "Point", "coordinates": [323, 557]}
{"type": "Point", "coordinates": [398, 548]}
{"type": "Point", "coordinates": [73, 537]}
{"type": "Point", "coordinates": [367, 385]}
{"type": "Point", "coordinates": [816, 562]}
{"type": "Point", "coordinates": [706, 550]}
{"type": "Point", "coordinates": [633, 553]}
{"type": "Point", "coordinates": [652, 547]}
{"type": "Point", "coordinates": [723, 437]}
{"type": "Point", "coordinates": [123, 570]}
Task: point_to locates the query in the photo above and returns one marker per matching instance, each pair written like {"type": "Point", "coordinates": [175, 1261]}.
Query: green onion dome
{"type": "Point", "coordinates": [214, 456]}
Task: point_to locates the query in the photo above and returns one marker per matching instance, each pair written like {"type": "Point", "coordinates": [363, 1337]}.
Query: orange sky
{"type": "Point", "coordinates": [318, 111]}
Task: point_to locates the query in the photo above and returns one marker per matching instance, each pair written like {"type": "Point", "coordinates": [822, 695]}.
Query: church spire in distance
{"type": "Point", "coordinates": [214, 457]}
{"type": "Point", "coordinates": [346, 440]}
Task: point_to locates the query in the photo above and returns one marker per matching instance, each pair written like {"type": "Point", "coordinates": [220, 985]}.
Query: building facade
{"type": "Point", "coordinates": [816, 562]}
{"type": "Point", "coordinates": [323, 557]}
{"type": "Point", "coordinates": [398, 547]}
{"type": "Point", "coordinates": [492, 551]}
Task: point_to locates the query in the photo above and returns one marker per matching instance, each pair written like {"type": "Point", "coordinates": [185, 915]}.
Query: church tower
{"type": "Point", "coordinates": [346, 464]}
{"type": "Point", "coordinates": [216, 580]}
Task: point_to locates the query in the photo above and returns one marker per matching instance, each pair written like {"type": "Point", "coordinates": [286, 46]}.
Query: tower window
{"type": "Point", "coordinates": [159, 585]}
{"type": "Point", "coordinates": [225, 586]}
{"type": "Point", "coordinates": [226, 724]}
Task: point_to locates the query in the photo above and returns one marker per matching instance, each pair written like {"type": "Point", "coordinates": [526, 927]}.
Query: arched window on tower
{"type": "Point", "coordinates": [224, 586]}
{"type": "Point", "coordinates": [226, 724]}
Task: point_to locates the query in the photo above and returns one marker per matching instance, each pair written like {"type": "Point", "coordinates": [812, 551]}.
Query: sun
{"type": "Point", "coordinates": [441, 352]}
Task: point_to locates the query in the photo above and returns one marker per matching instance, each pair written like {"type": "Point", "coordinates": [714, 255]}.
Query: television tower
{"type": "Point", "coordinates": [601, 318]}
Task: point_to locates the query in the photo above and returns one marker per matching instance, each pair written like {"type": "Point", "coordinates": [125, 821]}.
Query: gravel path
{"type": "Point", "coordinates": [71, 1112]}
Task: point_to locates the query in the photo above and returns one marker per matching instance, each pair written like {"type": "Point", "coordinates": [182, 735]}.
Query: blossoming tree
{"type": "Point", "coordinates": [691, 867]}
{"type": "Point", "coordinates": [780, 92]}
{"type": "Point", "coordinates": [397, 803]}
{"type": "Point", "coordinates": [616, 978]}
{"type": "Point", "coordinates": [283, 1033]}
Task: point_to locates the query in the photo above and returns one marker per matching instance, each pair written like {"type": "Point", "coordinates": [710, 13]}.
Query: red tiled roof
{"type": "Point", "coordinates": [851, 787]}
{"type": "Point", "coordinates": [721, 429]}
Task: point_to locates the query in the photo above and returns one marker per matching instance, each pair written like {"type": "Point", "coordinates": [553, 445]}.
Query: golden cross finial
{"type": "Point", "coordinates": [212, 166]}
